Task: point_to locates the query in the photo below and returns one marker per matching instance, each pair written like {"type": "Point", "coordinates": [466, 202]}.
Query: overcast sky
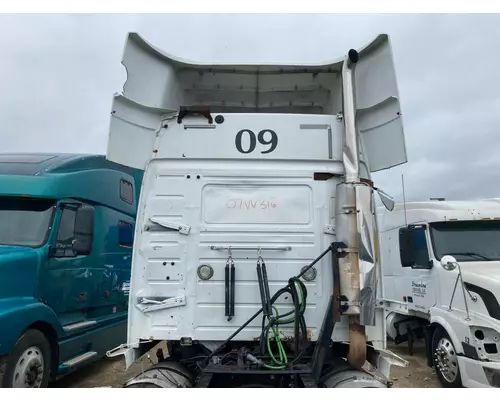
{"type": "Point", "coordinates": [58, 74]}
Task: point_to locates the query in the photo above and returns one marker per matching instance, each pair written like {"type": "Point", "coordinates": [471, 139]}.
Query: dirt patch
{"type": "Point", "coordinates": [417, 374]}
{"type": "Point", "coordinates": [111, 372]}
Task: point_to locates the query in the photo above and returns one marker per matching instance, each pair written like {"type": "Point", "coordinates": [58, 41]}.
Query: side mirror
{"type": "Point", "coordinates": [411, 238]}
{"type": "Point", "coordinates": [386, 200]}
{"type": "Point", "coordinates": [84, 230]}
{"type": "Point", "coordinates": [449, 263]}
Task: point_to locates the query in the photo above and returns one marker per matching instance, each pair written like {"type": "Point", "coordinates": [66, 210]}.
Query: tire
{"type": "Point", "coordinates": [344, 376]}
{"type": "Point", "coordinates": [163, 375]}
{"type": "Point", "coordinates": [445, 359]}
{"type": "Point", "coordinates": [143, 386]}
{"type": "Point", "coordinates": [28, 364]}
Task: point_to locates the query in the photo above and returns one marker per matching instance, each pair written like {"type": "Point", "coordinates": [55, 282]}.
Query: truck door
{"type": "Point", "coordinates": [108, 286]}
{"type": "Point", "coordinates": [417, 285]}
{"type": "Point", "coordinates": [64, 279]}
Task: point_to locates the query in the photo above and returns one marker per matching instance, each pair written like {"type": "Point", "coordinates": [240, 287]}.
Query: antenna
{"type": "Point", "coordinates": [404, 197]}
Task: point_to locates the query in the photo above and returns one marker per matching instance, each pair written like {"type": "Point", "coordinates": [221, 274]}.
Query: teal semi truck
{"type": "Point", "coordinates": [66, 230]}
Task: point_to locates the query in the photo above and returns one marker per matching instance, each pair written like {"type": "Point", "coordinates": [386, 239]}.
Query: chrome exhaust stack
{"type": "Point", "coordinates": [355, 228]}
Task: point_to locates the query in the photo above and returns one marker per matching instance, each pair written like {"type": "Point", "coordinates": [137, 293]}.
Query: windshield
{"type": "Point", "coordinates": [24, 222]}
{"type": "Point", "coordinates": [466, 240]}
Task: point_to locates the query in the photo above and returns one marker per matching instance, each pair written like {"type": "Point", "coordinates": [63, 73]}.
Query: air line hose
{"type": "Point", "coordinates": [297, 290]}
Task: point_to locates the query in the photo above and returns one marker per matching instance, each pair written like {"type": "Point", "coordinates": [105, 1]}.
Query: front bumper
{"type": "Point", "coordinates": [479, 374]}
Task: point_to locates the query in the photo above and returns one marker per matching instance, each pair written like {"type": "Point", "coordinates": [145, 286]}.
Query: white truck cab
{"type": "Point", "coordinates": [441, 280]}
{"type": "Point", "coordinates": [255, 254]}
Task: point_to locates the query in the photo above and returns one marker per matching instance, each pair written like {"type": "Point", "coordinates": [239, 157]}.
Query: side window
{"type": "Point", "coordinates": [65, 233]}
{"type": "Point", "coordinates": [421, 251]}
{"type": "Point", "coordinates": [125, 234]}
{"type": "Point", "coordinates": [413, 247]}
{"type": "Point", "coordinates": [126, 191]}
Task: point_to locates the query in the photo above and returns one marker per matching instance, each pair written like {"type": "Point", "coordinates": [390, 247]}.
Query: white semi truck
{"type": "Point", "coordinates": [441, 282]}
{"type": "Point", "coordinates": [256, 254]}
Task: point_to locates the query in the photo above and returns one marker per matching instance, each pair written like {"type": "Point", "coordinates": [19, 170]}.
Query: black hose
{"type": "Point", "coordinates": [266, 289]}
{"type": "Point", "coordinates": [298, 319]}
{"type": "Point", "coordinates": [299, 314]}
{"type": "Point", "coordinates": [232, 294]}
{"type": "Point", "coordinates": [226, 287]}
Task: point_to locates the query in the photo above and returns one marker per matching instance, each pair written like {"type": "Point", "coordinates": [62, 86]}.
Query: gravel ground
{"type": "Point", "coordinates": [417, 374]}
{"type": "Point", "coordinates": [111, 372]}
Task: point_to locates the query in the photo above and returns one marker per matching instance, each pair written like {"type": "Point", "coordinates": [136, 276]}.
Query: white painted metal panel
{"type": "Point", "coordinates": [165, 262]}
{"type": "Point", "coordinates": [257, 204]}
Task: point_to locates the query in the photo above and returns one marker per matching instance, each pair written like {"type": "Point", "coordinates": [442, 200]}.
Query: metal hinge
{"type": "Point", "coordinates": [148, 305]}
{"type": "Point", "coordinates": [183, 229]}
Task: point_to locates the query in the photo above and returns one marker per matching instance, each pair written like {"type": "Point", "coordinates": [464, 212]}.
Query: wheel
{"type": "Point", "coordinates": [163, 375]}
{"type": "Point", "coordinates": [344, 376]}
{"type": "Point", "coordinates": [445, 359]}
{"type": "Point", "coordinates": [28, 364]}
{"type": "Point", "coordinates": [143, 386]}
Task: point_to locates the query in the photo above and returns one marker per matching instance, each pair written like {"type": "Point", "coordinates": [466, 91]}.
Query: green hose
{"type": "Point", "coordinates": [282, 361]}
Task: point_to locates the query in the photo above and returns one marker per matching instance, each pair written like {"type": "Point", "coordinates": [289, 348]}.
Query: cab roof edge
{"type": "Point", "coordinates": [157, 52]}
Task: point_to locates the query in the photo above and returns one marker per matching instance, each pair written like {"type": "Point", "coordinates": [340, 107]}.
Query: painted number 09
{"type": "Point", "coordinates": [266, 137]}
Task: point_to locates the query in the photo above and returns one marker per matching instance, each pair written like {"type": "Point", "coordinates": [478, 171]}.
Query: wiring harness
{"type": "Point", "coordinates": [298, 292]}
{"type": "Point", "coordinates": [272, 320]}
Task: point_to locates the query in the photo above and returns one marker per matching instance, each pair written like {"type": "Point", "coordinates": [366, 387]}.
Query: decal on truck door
{"type": "Point", "coordinates": [418, 289]}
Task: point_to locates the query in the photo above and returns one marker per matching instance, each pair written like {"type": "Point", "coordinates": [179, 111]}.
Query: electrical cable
{"type": "Point", "coordinates": [298, 318]}
{"type": "Point", "coordinates": [298, 292]}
